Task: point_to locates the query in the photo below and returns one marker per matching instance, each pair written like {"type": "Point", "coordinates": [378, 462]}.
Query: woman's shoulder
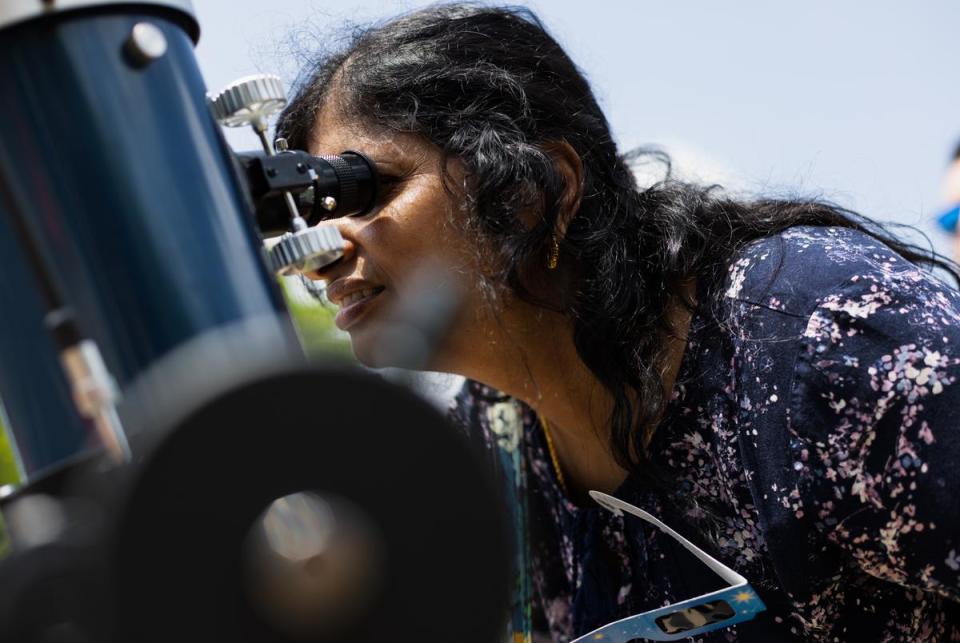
{"type": "Point", "coordinates": [871, 424]}
{"type": "Point", "coordinates": [846, 374]}
{"type": "Point", "coordinates": [832, 308]}
{"type": "Point", "coordinates": [793, 271]}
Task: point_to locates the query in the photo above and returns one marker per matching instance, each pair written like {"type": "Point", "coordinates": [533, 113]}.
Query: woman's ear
{"type": "Point", "coordinates": [570, 166]}
{"type": "Point", "coordinates": [546, 277]}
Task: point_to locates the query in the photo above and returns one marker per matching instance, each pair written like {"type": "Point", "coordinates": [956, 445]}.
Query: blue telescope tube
{"type": "Point", "coordinates": [129, 190]}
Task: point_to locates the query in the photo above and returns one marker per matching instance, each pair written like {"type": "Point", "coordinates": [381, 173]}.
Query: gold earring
{"type": "Point", "coordinates": [554, 257]}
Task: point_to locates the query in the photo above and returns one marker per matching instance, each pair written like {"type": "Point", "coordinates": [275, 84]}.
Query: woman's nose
{"type": "Point", "coordinates": [328, 272]}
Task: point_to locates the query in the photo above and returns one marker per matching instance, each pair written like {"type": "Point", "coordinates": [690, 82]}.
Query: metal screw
{"type": "Point", "coordinates": [329, 203]}
{"type": "Point", "coordinates": [146, 43]}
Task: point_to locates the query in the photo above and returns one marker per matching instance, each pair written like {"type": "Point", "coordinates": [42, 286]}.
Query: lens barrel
{"type": "Point", "coordinates": [350, 179]}
{"type": "Point", "coordinates": [323, 187]}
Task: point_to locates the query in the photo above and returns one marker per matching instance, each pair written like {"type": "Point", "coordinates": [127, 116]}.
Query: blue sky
{"type": "Point", "coordinates": [857, 102]}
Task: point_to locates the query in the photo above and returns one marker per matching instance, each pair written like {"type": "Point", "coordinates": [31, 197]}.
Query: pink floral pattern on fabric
{"type": "Point", "coordinates": [812, 444]}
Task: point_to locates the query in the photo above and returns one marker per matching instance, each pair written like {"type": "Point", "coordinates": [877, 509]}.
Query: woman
{"type": "Point", "coordinates": [774, 379]}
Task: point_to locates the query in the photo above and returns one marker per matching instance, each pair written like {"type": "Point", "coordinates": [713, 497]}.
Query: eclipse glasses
{"type": "Point", "coordinates": [692, 617]}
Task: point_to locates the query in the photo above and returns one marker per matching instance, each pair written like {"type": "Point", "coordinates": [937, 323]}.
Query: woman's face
{"type": "Point", "coordinates": [412, 226]}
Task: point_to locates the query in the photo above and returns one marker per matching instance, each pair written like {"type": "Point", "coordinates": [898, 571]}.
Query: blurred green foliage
{"type": "Point", "coordinates": [9, 474]}
{"type": "Point", "coordinates": [314, 321]}
{"type": "Point", "coordinates": [8, 467]}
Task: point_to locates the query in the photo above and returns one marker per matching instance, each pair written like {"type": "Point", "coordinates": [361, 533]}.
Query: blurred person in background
{"type": "Point", "coordinates": [950, 195]}
{"type": "Point", "coordinates": [776, 379]}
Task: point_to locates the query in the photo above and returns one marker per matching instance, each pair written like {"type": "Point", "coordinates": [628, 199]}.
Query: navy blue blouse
{"type": "Point", "coordinates": [812, 443]}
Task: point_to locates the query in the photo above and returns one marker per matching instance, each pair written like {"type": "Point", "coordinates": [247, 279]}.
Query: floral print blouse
{"type": "Point", "coordinates": [812, 444]}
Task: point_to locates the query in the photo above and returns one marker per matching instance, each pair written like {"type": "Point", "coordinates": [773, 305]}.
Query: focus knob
{"type": "Point", "coordinates": [307, 250]}
{"type": "Point", "coordinates": [249, 101]}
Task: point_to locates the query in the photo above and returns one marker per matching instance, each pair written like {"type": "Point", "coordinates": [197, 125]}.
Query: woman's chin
{"type": "Point", "coordinates": [375, 349]}
{"type": "Point", "coordinates": [378, 347]}
{"type": "Point", "coordinates": [366, 349]}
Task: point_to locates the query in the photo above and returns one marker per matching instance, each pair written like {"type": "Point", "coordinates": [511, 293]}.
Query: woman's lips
{"type": "Point", "coordinates": [354, 305]}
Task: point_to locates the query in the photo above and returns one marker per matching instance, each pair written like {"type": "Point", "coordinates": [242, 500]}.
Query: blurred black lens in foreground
{"type": "Point", "coordinates": [289, 504]}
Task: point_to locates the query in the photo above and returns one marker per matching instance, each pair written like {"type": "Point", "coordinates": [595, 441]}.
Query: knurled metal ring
{"type": "Point", "coordinates": [348, 181]}
{"type": "Point", "coordinates": [248, 99]}
{"type": "Point", "coordinates": [319, 245]}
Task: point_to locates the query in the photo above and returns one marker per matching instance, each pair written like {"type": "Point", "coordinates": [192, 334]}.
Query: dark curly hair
{"type": "Point", "coordinates": [491, 87]}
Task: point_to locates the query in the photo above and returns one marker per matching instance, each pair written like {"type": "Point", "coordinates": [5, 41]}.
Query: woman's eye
{"type": "Point", "coordinates": [389, 186]}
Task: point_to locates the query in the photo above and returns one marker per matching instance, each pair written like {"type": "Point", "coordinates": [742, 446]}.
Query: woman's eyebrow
{"type": "Point", "coordinates": [387, 164]}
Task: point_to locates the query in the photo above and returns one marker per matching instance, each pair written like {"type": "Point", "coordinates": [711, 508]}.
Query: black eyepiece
{"type": "Point", "coordinates": [323, 187]}
{"type": "Point", "coordinates": [346, 185]}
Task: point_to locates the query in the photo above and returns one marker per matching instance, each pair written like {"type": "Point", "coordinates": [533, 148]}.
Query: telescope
{"type": "Point", "coordinates": [187, 473]}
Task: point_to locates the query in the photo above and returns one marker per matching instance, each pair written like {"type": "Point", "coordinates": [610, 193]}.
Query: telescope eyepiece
{"type": "Point", "coordinates": [346, 184]}
{"type": "Point", "coordinates": [322, 187]}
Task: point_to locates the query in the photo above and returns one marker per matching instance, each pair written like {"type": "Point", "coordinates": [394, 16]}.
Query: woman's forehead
{"type": "Point", "coordinates": [333, 133]}
{"type": "Point", "coordinates": [331, 129]}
